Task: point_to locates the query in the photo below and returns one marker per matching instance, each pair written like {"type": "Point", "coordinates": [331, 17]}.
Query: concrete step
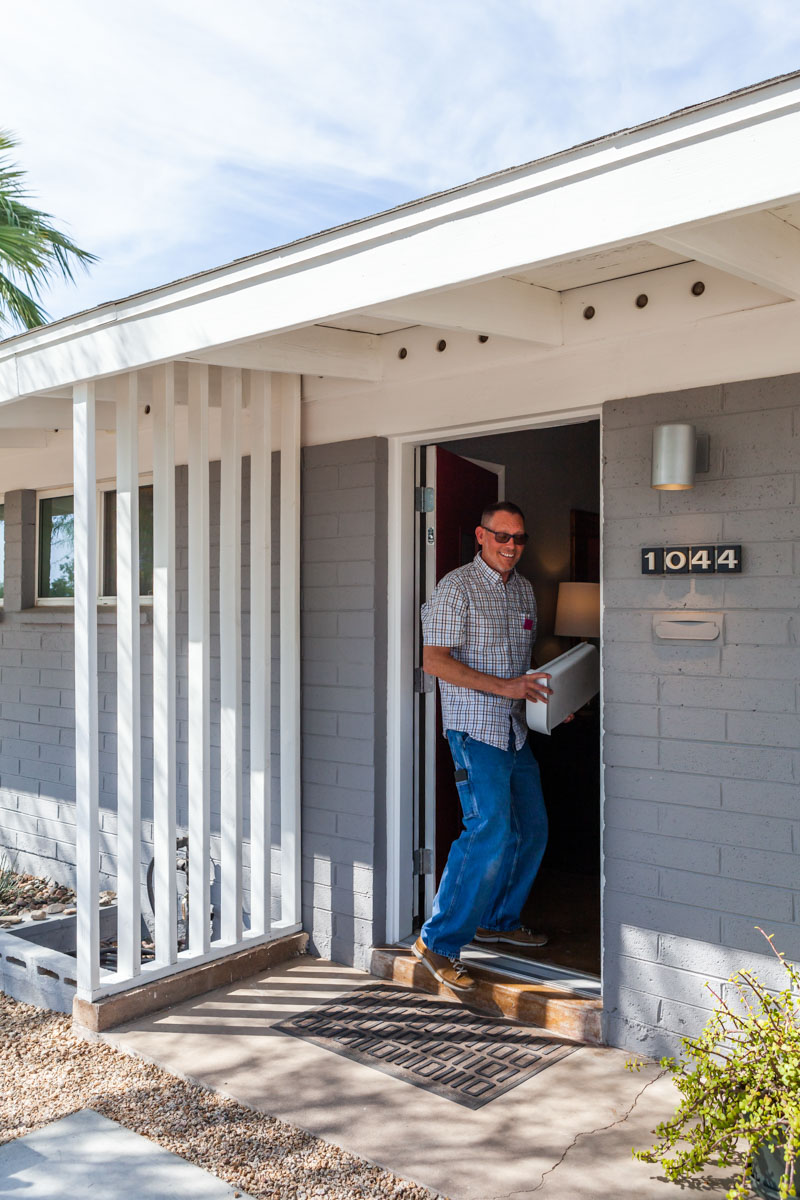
{"type": "Point", "coordinates": [560, 1012]}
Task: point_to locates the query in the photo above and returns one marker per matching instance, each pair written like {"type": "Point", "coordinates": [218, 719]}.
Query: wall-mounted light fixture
{"type": "Point", "coordinates": [578, 610]}
{"type": "Point", "coordinates": [678, 452]}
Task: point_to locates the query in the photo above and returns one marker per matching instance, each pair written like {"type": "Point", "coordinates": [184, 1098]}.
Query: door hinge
{"type": "Point", "coordinates": [422, 683]}
{"type": "Point", "coordinates": [423, 861]}
{"type": "Point", "coordinates": [423, 499]}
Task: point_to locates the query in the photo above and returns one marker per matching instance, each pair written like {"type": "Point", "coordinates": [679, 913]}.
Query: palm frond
{"type": "Point", "coordinates": [32, 250]}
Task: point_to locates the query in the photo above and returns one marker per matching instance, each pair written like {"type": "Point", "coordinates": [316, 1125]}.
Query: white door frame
{"type": "Point", "coordinates": [401, 615]}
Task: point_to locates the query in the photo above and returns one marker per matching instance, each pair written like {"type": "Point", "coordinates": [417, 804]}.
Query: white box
{"type": "Point", "coordinates": [574, 678]}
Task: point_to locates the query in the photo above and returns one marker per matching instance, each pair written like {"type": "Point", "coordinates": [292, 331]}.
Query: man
{"type": "Point", "coordinates": [479, 628]}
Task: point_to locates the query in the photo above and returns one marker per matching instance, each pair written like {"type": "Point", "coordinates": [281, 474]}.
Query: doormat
{"type": "Point", "coordinates": [441, 1047]}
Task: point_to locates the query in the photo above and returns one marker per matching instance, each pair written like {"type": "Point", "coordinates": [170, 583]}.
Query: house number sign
{"type": "Point", "coordinates": [691, 560]}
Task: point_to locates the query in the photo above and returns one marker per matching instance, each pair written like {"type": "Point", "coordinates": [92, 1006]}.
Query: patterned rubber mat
{"type": "Point", "coordinates": [441, 1047]}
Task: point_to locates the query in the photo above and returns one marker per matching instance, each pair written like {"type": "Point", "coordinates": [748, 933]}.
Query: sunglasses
{"type": "Point", "coordinates": [519, 539]}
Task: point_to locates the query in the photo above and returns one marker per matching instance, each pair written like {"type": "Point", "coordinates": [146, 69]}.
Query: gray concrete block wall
{"type": "Point", "coordinates": [343, 631]}
{"type": "Point", "coordinates": [702, 767]}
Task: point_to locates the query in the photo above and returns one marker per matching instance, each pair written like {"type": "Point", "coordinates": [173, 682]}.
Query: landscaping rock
{"type": "Point", "coordinates": [46, 1072]}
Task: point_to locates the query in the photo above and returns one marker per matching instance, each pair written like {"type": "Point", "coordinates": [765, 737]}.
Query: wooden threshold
{"type": "Point", "coordinates": [561, 1012]}
{"type": "Point", "coordinates": [95, 1016]}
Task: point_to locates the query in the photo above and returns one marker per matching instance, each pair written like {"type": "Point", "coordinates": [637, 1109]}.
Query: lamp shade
{"type": "Point", "coordinates": [578, 610]}
{"type": "Point", "coordinates": [674, 457]}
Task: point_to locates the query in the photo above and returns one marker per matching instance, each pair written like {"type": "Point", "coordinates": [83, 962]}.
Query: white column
{"type": "Point", "coordinates": [86, 736]}
{"type": "Point", "coordinates": [289, 391]}
{"type": "Point", "coordinates": [230, 654]}
{"type": "Point", "coordinates": [260, 397]}
{"type": "Point", "coordinates": [199, 677]}
{"type": "Point", "coordinates": [164, 727]}
{"type": "Point", "coordinates": [128, 681]}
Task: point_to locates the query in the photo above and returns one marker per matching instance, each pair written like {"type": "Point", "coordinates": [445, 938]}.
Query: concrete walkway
{"type": "Point", "coordinates": [565, 1133]}
{"type": "Point", "coordinates": [88, 1155]}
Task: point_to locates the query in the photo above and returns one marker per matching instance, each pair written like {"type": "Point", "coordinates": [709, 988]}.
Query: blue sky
{"type": "Point", "coordinates": [174, 135]}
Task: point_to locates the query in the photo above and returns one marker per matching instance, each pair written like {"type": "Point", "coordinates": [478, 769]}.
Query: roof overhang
{"type": "Point", "coordinates": [701, 185]}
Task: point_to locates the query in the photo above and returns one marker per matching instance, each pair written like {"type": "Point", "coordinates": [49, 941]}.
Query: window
{"type": "Point", "coordinates": [56, 548]}
{"type": "Point", "coordinates": [2, 550]}
{"type": "Point", "coordinates": [56, 540]}
{"type": "Point", "coordinates": [109, 579]}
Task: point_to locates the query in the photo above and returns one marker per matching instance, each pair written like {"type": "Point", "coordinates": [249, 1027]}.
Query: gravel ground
{"type": "Point", "coordinates": [46, 1072]}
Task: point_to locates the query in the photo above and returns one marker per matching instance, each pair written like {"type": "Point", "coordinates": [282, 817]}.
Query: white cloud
{"type": "Point", "coordinates": [174, 134]}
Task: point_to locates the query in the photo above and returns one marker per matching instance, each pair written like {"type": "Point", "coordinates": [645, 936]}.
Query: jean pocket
{"type": "Point", "coordinates": [466, 795]}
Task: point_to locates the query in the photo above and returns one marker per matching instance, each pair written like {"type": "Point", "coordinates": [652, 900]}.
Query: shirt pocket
{"type": "Point", "coordinates": [521, 627]}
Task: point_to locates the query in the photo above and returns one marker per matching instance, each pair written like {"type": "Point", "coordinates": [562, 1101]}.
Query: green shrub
{"type": "Point", "coordinates": [740, 1081]}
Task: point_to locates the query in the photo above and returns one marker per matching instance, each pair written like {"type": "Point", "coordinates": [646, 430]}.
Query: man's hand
{"type": "Point", "coordinates": [533, 687]}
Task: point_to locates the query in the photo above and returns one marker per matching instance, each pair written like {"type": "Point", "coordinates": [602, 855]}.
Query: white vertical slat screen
{"type": "Point", "coordinates": [199, 686]}
{"type": "Point", "coordinates": [87, 784]}
{"type": "Point", "coordinates": [129, 939]}
{"type": "Point", "coordinates": [260, 409]}
{"type": "Point", "coordinates": [289, 390]}
{"type": "Point", "coordinates": [230, 654]}
{"type": "Point", "coordinates": [203, 388]}
{"type": "Point", "coordinates": [164, 725]}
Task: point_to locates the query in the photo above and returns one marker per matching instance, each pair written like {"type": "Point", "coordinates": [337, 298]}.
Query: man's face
{"type": "Point", "coordinates": [501, 558]}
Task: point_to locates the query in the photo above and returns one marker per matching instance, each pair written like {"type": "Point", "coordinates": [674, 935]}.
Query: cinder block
{"type": "Point", "coordinates": [631, 720]}
{"type": "Point", "coordinates": [630, 814]}
{"type": "Point", "coordinates": [337, 799]}
{"type": "Point", "coordinates": [766, 525]}
{"type": "Point", "coordinates": [620, 751]}
{"type": "Point", "coordinates": [357, 826]}
{"type": "Point", "coordinates": [660, 914]}
{"type": "Point", "coordinates": [344, 700]}
{"type": "Point", "coordinates": [625, 687]}
{"type": "Point", "coordinates": [782, 593]}
{"type": "Point", "coordinates": [727, 895]}
{"type": "Point", "coordinates": [355, 777]}
{"type": "Point", "coordinates": [749, 695]}
{"type": "Point", "coordinates": [657, 851]}
{"type": "Point", "coordinates": [698, 724]}
{"type": "Point", "coordinates": [761, 866]}
{"type": "Point", "coordinates": [743, 762]}
{"type": "Point", "coordinates": [761, 394]}
{"type": "Point", "coordinates": [773, 729]}
{"type": "Point", "coordinates": [340, 750]}
{"type": "Point", "coordinates": [746, 830]}
{"type": "Point", "coordinates": [760, 798]}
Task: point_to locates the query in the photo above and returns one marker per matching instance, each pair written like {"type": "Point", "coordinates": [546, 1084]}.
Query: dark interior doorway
{"type": "Point", "coordinates": [553, 474]}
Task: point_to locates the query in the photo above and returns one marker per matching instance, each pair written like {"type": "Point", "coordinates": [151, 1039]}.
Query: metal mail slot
{"type": "Point", "coordinates": [687, 626]}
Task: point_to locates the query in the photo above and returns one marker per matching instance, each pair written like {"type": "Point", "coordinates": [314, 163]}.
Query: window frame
{"type": "Point", "coordinates": [103, 486]}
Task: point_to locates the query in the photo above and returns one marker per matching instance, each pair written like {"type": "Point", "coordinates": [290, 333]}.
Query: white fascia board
{"type": "Point", "coordinates": [759, 247]}
{"type": "Point", "coordinates": [731, 158]}
{"type": "Point", "coordinates": [505, 307]}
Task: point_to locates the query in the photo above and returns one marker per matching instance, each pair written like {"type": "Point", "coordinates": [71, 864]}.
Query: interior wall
{"type": "Point", "coordinates": [548, 472]}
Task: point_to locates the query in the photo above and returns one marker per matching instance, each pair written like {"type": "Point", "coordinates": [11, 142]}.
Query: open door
{"type": "Point", "coordinates": [453, 492]}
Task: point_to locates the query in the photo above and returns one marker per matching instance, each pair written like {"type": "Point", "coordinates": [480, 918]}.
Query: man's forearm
{"type": "Point", "coordinates": [451, 670]}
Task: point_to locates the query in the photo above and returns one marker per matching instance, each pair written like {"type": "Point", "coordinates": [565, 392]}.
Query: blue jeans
{"type": "Point", "coordinates": [492, 865]}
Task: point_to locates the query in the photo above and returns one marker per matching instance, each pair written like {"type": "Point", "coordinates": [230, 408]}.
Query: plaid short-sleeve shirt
{"type": "Point", "coordinates": [490, 626]}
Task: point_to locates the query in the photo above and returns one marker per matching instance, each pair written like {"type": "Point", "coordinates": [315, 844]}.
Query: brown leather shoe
{"type": "Point", "coordinates": [449, 971]}
{"type": "Point", "coordinates": [522, 938]}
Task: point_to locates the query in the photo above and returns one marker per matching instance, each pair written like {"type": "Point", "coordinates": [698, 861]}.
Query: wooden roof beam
{"type": "Point", "coordinates": [759, 247]}
{"type": "Point", "coordinates": [503, 307]}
